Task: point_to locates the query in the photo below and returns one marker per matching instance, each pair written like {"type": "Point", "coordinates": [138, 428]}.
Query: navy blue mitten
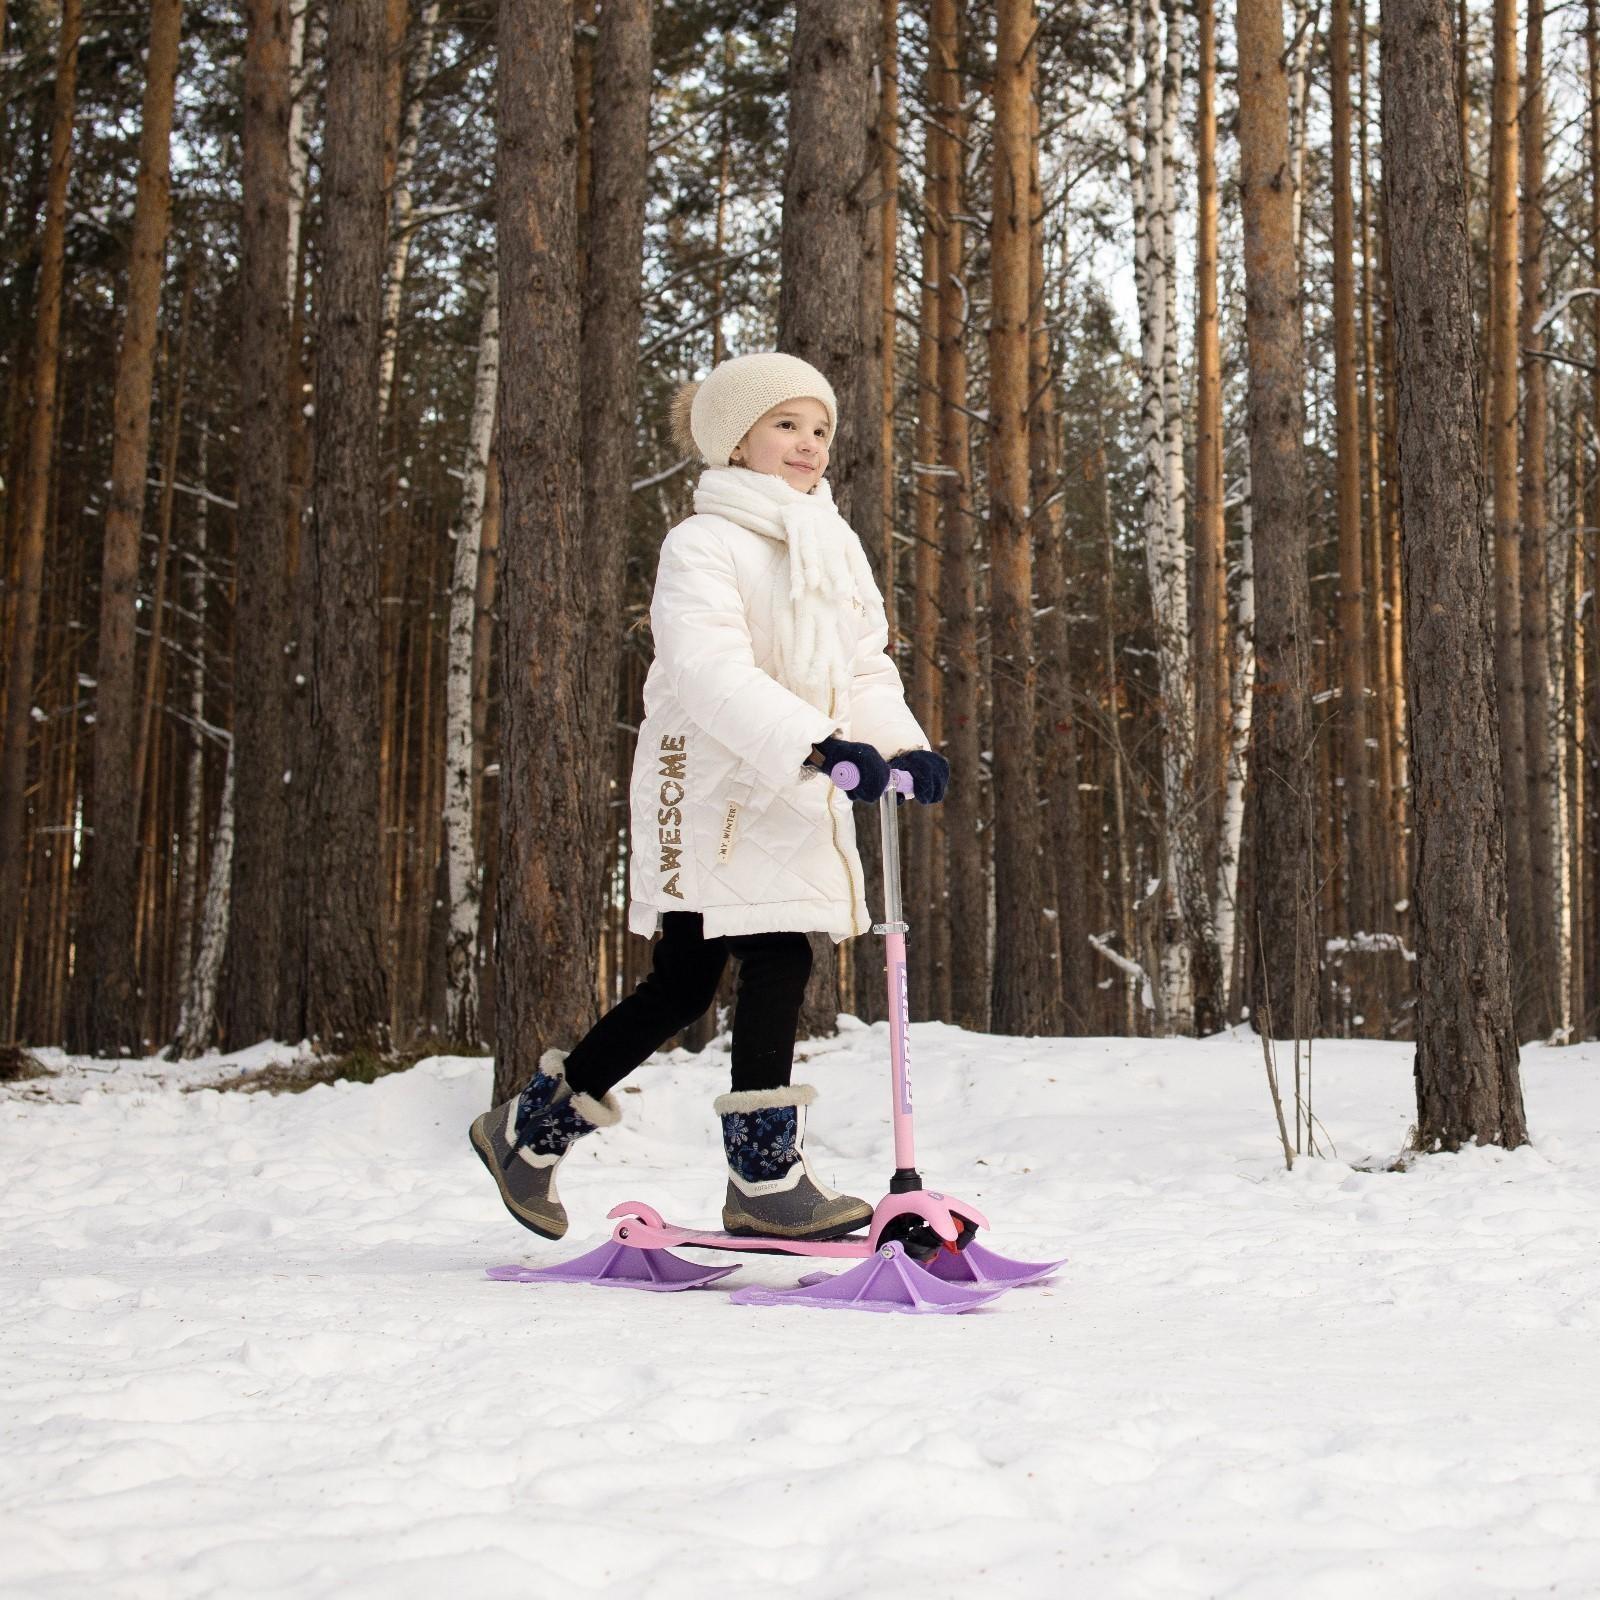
{"type": "Point", "coordinates": [930, 774]}
{"type": "Point", "coordinates": [873, 768]}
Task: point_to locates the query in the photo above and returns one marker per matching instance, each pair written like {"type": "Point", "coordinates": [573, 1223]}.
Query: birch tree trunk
{"type": "Point", "coordinates": [195, 781]}
{"type": "Point", "coordinates": [1468, 1086]}
{"type": "Point", "coordinates": [35, 513]}
{"type": "Point", "coordinates": [199, 1024]}
{"type": "Point", "coordinates": [461, 951]}
{"type": "Point", "coordinates": [103, 1016]}
{"type": "Point", "coordinates": [1242, 699]}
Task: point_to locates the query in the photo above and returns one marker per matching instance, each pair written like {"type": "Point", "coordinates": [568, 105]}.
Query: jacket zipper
{"type": "Point", "coordinates": [833, 824]}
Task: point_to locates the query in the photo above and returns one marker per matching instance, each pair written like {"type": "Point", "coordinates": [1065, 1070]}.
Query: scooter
{"type": "Point", "coordinates": [920, 1252]}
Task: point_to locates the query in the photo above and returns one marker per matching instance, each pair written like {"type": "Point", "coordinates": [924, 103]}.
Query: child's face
{"type": "Point", "coordinates": [789, 442]}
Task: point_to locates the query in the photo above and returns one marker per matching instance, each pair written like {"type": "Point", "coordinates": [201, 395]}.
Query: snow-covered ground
{"type": "Point", "coordinates": [248, 1347]}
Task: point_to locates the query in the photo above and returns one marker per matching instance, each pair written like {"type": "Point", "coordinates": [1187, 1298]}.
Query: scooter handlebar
{"type": "Point", "coordinates": [846, 774]}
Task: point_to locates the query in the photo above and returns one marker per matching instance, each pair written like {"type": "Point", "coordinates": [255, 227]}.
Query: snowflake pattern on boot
{"type": "Point", "coordinates": [544, 1129]}
{"type": "Point", "coordinates": [762, 1145]}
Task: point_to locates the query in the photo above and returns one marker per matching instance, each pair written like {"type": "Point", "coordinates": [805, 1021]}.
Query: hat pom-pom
{"type": "Point", "coordinates": [682, 433]}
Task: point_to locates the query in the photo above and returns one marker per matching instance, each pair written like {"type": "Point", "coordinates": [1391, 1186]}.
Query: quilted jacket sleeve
{"type": "Point", "coordinates": [702, 640]}
{"type": "Point", "coordinates": [878, 712]}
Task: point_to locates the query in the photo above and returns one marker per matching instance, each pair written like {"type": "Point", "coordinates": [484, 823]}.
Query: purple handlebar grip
{"type": "Point", "coordinates": [847, 775]}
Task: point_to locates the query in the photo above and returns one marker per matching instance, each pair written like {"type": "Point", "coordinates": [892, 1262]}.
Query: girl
{"type": "Point", "coordinates": [770, 669]}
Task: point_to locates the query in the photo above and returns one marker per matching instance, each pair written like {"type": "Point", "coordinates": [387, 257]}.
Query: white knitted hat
{"type": "Point", "coordinates": [738, 393]}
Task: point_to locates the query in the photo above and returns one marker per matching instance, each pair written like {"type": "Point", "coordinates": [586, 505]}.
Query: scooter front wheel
{"type": "Point", "coordinates": [917, 1234]}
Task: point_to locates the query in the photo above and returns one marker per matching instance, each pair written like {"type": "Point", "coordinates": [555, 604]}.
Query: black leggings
{"type": "Point", "coordinates": [684, 973]}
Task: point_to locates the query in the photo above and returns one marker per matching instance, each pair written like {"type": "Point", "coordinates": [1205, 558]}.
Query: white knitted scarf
{"type": "Point", "coordinates": [826, 567]}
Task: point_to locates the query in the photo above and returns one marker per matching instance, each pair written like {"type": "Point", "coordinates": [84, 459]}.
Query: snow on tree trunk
{"type": "Point", "coordinates": [461, 955]}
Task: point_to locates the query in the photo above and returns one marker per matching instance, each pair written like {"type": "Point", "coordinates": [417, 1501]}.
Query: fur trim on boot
{"type": "Point", "coordinates": [524, 1139]}
{"type": "Point", "coordinates": [771, 1187]}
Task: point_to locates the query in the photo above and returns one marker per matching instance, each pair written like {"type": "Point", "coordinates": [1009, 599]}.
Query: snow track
{"type": "Point", "coordinates": [248, 1347]}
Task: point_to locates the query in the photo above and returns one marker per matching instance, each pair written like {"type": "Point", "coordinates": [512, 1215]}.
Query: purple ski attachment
{"type": "Point", "coordinates": [977, 1266]}
{"type": "Point", "coordinates": [887, 1281]}
{"type": "Point", "coordinates": [620, 1266]}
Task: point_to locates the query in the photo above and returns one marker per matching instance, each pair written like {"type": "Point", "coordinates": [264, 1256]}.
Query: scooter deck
{"type": "Point", "coordinates": [643, 1228]}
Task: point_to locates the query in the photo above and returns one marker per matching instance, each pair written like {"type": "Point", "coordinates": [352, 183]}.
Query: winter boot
{"type": "Point", "coordinates": [771, 1187]}
{"type": "Point", "coordinates": [522, 1142]}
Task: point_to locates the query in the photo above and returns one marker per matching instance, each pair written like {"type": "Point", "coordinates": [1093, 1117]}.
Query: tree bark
{"type": "Point", "coordinates": [1019, 1004]}
{"type": "Point", "coordinates": [544, 989]}
{"type": "Point", "coordinates": [1065, 875]}
{"type": "Point", "coordinates": [966, 867]}
{"type": "Point", "coordinates": [610, 378]}
{"type": "Point", "coordinates": [1467, 1079]}
{"type": "Point", "coordinates": [925, 845]}
{"type": "Point", "coordinates": [1283, 915]}
{"type": "Point", "coordinates": [347, 1001]}
{"type": "Point", "coordinates": [1211, 579]}
{"type": "Point", "coordinates": [262, 621]}
{"type": "Point", "coordinates": [1543, 954]}
{"type": "Point", "coordinates": [461, 949]}
{"type": "Point", "coordinates": [104, 1014]}
{"type": "Point", "coordinates": [831, 109]}
{"type": "Point", "coordinates": [1360, 901]}
{"type": "Point", "coordinates": [1502, 433]}
{"type": "Point", "coordinates": [35, 515]}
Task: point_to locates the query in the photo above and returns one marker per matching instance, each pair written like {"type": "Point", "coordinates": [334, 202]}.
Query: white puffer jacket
{"type": "Point", "coordinates": [727, 818]}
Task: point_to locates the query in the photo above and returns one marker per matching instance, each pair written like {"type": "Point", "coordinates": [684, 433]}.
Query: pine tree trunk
{"type": "Point", "coordinates": [610, 377]}
{"type": "Point", "coordinates": [1211, 579]}
{"type": "Point", "coordinates": [1019, 1004]}
{"type": "Point", "coordinates": [17, 721]}
{"type": "Point", "coordinates": [831, 108]}
{"type": "Point", "coordinates": [1282, 917]}
{"type": "Point", "coordinates": [1544, 962]}
{"type": "Point", "coordinates": [1467, 1080]}
{"type": "Point", "coordinates": [262, 619]}
{"type": "Point", "coordinates": [924, 845]}
{"type": "Point", "coordinates": [966, 865]}
{"type": "Point", "coordinates": [544, 989]}
{"type": "Point", "coordinates": [402, 204]}
{"type": "Point", "coordinates": [347, 1001]}
{"type": "Point", "coordinates": [1065, 876]}
{"type": "Point", "coordinates": [1358, 836]}
{"type": "Point", "coordinates": [104, 1013]}
{"type": "Point", "coordinates": [1502, 434]}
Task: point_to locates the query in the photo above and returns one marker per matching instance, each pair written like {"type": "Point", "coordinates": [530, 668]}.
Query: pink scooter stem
{"type": "Point", "coordinates": [894, 928]}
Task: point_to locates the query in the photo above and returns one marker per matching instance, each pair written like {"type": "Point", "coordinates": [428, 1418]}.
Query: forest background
{"type": "Point", "coordinates": [330, 517]}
